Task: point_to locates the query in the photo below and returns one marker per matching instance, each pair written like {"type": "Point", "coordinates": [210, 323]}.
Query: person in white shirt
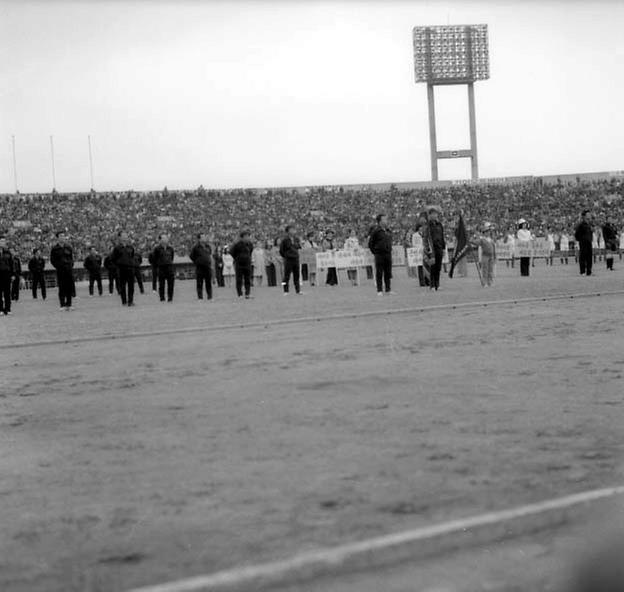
{"type": "Point", "coordinates": [524, 235]}
{"type": "Point", "coordinates": [352, 243]}
{"type": "Point", "coordinates": [550, 237]}
{"type": "Point", "coordinates": [510, 240]}
{"type": "Point", "coordinates": [564, 246]}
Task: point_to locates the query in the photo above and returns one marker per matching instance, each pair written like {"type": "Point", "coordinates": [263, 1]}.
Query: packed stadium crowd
{"type": "Point", "coordinates": [31, 221]}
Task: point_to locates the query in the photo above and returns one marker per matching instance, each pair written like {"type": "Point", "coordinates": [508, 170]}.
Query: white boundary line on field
{"type": "Point", "coordinates": [393, 548]}
{"type": "Point", "coordinates": [333, 317]}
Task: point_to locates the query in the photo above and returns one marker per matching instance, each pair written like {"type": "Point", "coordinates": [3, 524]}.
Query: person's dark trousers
{"type": "Point", "coordinates": [113, 281]}
{"type": "Point", "coordinates": [203, 276]}
{"type": "Point", "coordinates": [438, 255]}
{"type": "Point", "coordinates": [219, 277]}
{"type": "Point", "coordinates": [304, 272]}
{"type": "Point", "coordinates": [166, 275]}
{"type": "Point", "coordinates": [332, 277]}
{"type": "Point", "coordinates": [95, 278]}
{"type": "Point", "coordinates": [15, 288]}
{"type": "Point", "coordinates": [585, 259]}
{"type": "Point", "coordinates": [138, 276]}
{"type": "Point", "coordinates": [65, 281]}
{"type": "Point", "coordinates": [270, 273]}
{"type": "Point", "coordinates": [5, 292]}
{"type": "Point", "coordinates": [126, 285]}
{"type": "Point", "coordinates": [38, 279]}
{"type": "Point", "coordinates": [291, 266]}
{"type": "Point", "coordinates": [421, 276]}
{"type": "Point", "coordinates": [154, 277]}
{"type": "Point", "coordinates": [383, 271]}
{"type": "Point", "coordinates": [525, 264]}
{"type": "Point", "coordinates": [243, 275]}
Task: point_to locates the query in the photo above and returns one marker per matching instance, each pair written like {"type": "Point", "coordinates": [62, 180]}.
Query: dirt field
{"type": "Point", "coordinates": [126, 462]}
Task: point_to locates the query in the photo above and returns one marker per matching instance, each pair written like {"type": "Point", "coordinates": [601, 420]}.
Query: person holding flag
{"type": "Point", "coordinates": [486, 243]}
{"type": "Point", "coordinates": [462, 246]}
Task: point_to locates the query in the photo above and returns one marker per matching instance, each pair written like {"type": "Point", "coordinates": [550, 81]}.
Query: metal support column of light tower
{"type": "Point", "coordinates": [433, 143]}
{"type": "Point", "coordinates": [473, 133]}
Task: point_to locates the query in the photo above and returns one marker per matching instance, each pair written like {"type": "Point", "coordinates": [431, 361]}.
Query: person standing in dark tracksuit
{"type": "Point", "coordinates": [17, 278]}
{"type": "Point", "coordinates": [113, 274]}
{"type": "Point", "coordinates": [201, 256]}
{"type": "Point", "coordinates": [609, 234]}
{"type": "Point", "coordinates": [241, 253]}
{"type": "Point", "coordinates": [62, 259]}
{"type": "Point", "coordinates": [584, 234]}
{"type": "Point", "coordinates": [6, 276]}
{"type": "Point", "coordinates": [93, 264]}
{"type": "Point", "coordinates": [138, 276]}
{"type": "Point", "coordinates": [154, 268]}
{"type": "Point", "coordinates": [36, 266]}
{"type": "Point", "coordinates": [434, 245]}
{"type": "Point", "coordinates": [289, 250]}
{"type": "Point", "coordinates": [123, 259]}
{"type": "Point", "coordinates": [163, 258]}
{"type": "Point", "coordinates": [380, 244]}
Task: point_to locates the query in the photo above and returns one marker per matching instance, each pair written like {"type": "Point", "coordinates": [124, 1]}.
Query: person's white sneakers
{"type": "Point", "coordinates": [379, 293]}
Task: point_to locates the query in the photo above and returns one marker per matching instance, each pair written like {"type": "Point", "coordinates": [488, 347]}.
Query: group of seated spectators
{"type": "Point", "coordinates": [31, 220]}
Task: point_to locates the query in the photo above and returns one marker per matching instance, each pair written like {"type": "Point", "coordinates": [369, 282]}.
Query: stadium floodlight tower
{"type": "Point", "coordinates": [452, 54]}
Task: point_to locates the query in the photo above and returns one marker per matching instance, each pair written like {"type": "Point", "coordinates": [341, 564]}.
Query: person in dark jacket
{"type": "Point", "coordinates": [123, 259]}
{"type": "Point", "coordinates": [329, 244]}
{"type": "Point", "coordinates": [138, 276]}
{"type": "Point", "coordinates": [241, 253]}
{"type": "Point", "coordinates": [609, 234]}
{"type": "Point", "coordinates": [62, 259]}
{"type": "Point", "coordinates": [154, 268]}
{"type": "Point", "coordinates": [163, 259]}
{"type": "Point", "coordinates": [93, 264]}
{"type": "Point", "coordinates": [289, 250]}
{"type": "Point", "coordinates": [113, 274]}
{"type": "Point", "coordinates": [584, 235]}
{"type": "Point", "coordinates": [36, 266]}
{"type": "Point", "coordinates": [380, 244]}
{"type": "Point", "coordinates": [6, 276]}
{"type": "Point", "coordinates": [433, 246]}
{"type": "Point", "coordinates": [201, 256]}
{"type": "Point", "coordinates": [17, 278]}
{"type": "Point", "coordinates": [218, 265]}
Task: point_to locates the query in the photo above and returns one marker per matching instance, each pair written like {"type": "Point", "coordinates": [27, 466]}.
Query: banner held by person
{"type": "Point", "coordinates": [462, 245]}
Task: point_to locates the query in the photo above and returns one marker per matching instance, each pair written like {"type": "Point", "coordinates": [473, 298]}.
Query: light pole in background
{"type": "Point", "coordinates": [452, 54]}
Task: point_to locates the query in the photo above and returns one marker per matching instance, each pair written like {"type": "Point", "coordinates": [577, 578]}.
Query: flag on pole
{"type": "Point", "coordinates": [462, 246]}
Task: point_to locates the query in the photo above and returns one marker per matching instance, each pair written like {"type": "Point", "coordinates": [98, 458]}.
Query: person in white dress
{"type": "Point", "coordinates": [258, 263]}
{"type": "Point", "coordinates": [228, 267]}
{"type": "Point", "coordinates": [352, 243]}
{"type": "Point", "coordinates": [564, 246]}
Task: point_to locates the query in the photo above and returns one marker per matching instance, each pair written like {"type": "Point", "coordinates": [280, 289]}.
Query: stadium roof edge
{"type": "Point", "coordinates": [384, 185]}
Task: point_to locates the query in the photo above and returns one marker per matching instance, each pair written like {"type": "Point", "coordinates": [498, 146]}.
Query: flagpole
{"type": "Point", "coordinates": [90, 162]}
{"type": "Point", "coordinates": [14, 164]}
{"type": "Point", "coordinates": [52, 158]}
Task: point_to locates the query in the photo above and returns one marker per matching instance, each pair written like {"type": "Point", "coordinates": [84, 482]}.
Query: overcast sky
{"type": "Point", "coordinates": [269, 93]}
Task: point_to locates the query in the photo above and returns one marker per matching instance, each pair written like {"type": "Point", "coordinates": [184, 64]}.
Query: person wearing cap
{"type": "Point", "coordinates": [6, 276]}
{"type": "Point", "coordinates": [241, 252]}
{"type": "Point", "coordinates": [380, 244]}
{"type": "Point", "coordinates": [584, 235]}
{"type": "Point", "coordinates": [485, 243]}
{"type": "Point", "coordinates": [524, 235]}
{"type": "Point", "coordinates": [93, 265]}
{"type": "Point", "coordinates": [434, 246]}
{"type": "Point", "coordinates": [201, 256]}
{"type": "Point", "coordinates": [328, 244]}
{"type": "Point", "coordinates": [62, 259]}
{"type": "Point", "coordinates": [36, 266]}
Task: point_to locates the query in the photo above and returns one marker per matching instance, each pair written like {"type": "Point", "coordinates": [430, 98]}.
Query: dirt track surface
{"type": "Point", "coordinates": [131, 462]}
